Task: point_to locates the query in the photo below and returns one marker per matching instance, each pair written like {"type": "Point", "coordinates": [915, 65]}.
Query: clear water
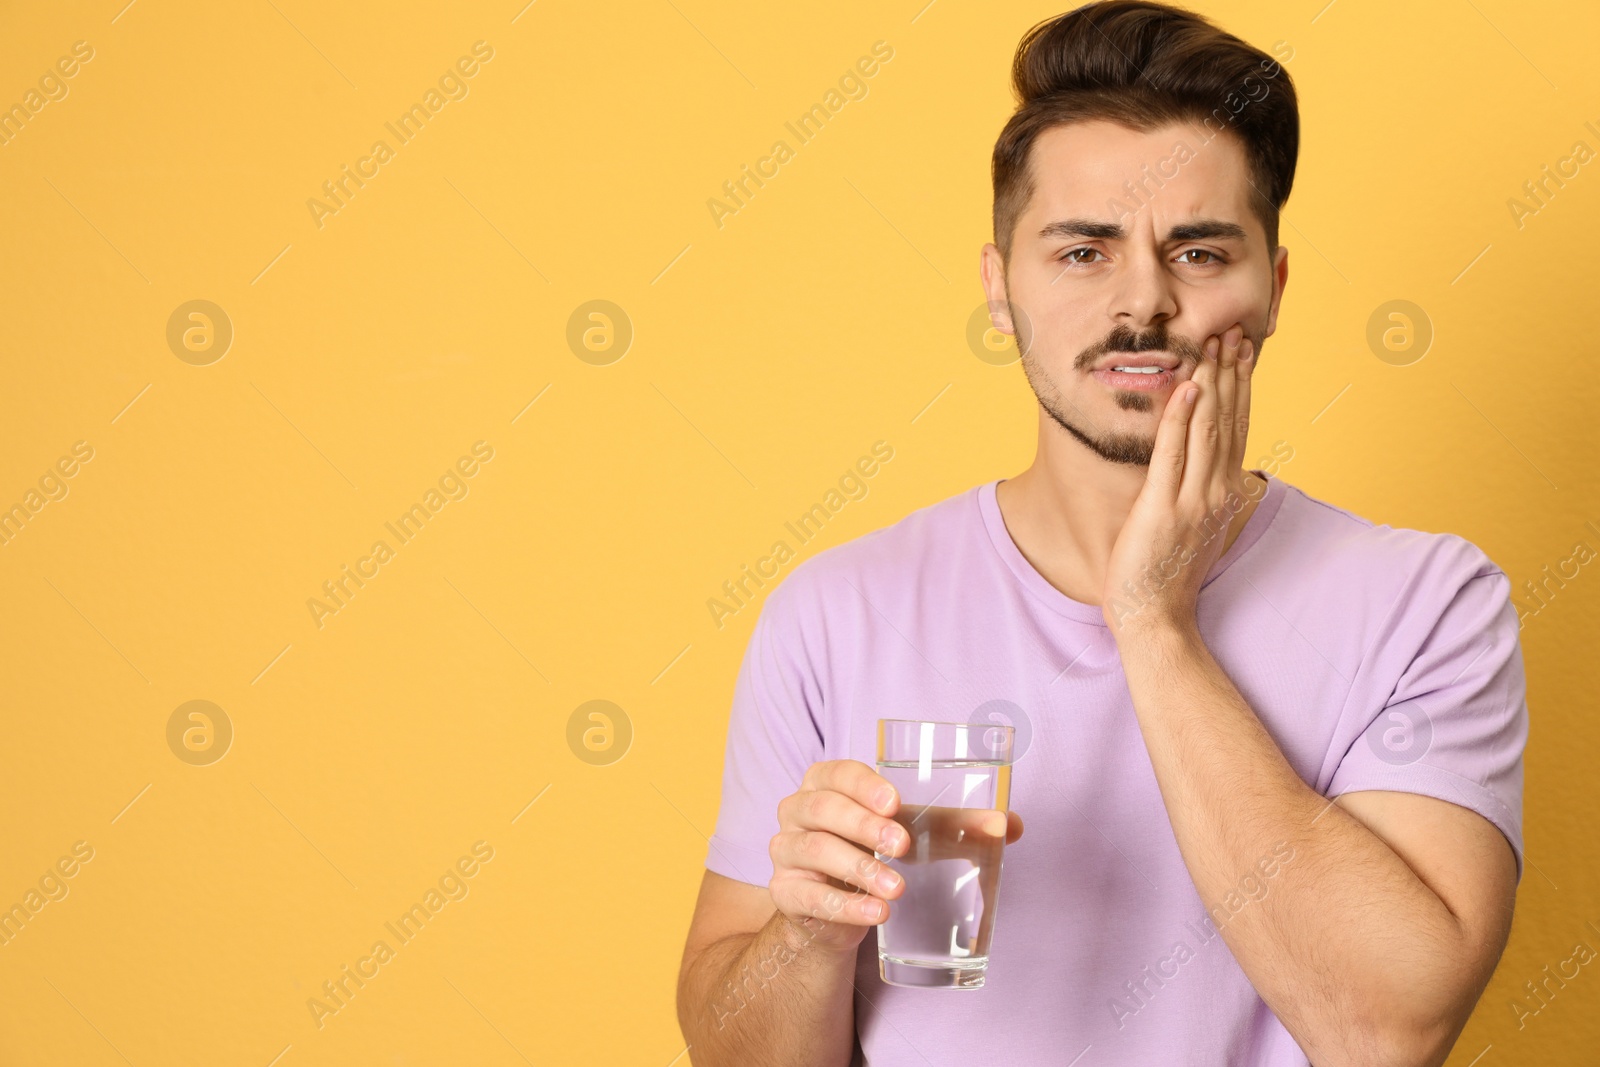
{"type": "Point", "coordinates": [944, 920]}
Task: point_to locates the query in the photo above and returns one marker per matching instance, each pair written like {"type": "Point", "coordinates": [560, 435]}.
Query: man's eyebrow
{"type": "Point", "coordinates": [1193, 230]}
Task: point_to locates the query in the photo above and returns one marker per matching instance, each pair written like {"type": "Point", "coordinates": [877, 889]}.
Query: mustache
{"type": "Point", "coordinates": [1122, 339]}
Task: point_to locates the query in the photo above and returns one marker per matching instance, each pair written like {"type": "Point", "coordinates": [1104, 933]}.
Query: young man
{"type": "Point", "coordinates": [1200, 658]}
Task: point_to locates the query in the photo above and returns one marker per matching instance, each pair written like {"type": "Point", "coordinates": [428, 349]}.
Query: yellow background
{"type": "Point", "coordinates": [768, 354]}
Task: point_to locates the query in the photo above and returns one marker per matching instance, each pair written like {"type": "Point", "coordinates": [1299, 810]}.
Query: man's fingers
{"type": "Point", "coordinates": [835, 813]}
{"type": "Point", "coordinates": [798, 896]}
{"type": "Point", "coordinates": [819, 877]}
{"type": "Point", "coordinates": [948, 822]}
{"type": "Point", "coordinates": [1167, 455]}
{"type": "Point", "coordinates": [855, 780]}
{"type": "Point", "coordinates": [975, 834]}
{"type": "Point", "coordinates": [1200, 442]}
{"type": "Point", "coordinates": [1227, 391]}
{"type": "Point", "coordinates": [1241, 402]}
{"type": "Point", "coordinates": [827, 854]}
{"type": "Point", "coordinates": [978, 841]}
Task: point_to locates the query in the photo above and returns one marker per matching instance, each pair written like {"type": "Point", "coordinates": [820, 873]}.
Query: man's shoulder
{"type": "Point", "coordinates": [1346, 547]}
{"type": "Point", "coordinates": [931, 535]}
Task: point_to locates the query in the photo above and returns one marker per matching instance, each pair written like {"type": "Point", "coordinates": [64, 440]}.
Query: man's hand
{"type": "Point", "coordinates": [1194, 488]}
{"type": "Point", "coordinates": [827, 832]}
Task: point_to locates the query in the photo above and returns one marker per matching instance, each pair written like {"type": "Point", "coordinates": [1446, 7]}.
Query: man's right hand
{"type": "Point", "coordinates": [825, 879]}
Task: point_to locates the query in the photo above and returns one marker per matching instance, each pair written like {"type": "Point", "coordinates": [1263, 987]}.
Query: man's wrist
{"type": "Point", "coordinates": [1148, 633]}
{"type": "Point", "coordinates": [810, 935]}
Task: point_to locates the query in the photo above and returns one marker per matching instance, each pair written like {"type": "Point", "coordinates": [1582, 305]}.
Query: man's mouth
{"type": "Point", "coordinates": [1142, 374]}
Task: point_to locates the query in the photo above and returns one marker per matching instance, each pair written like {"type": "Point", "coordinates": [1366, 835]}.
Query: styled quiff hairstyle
{"type": "Point", "coordinates": [1145, 65]}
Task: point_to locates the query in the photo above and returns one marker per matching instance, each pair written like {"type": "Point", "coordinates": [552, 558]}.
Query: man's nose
{"type": "Point", "coordinates": [1146, 292]}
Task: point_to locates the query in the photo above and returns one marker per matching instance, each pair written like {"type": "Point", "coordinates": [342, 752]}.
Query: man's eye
{"type": "Point", "coordinates": [1073, 256]}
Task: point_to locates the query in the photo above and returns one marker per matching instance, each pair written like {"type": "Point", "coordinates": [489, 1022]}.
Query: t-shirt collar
{"type": "Point", "coordinates": [1035, 583]}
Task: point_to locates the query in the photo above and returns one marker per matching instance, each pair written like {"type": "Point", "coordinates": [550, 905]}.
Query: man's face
{"type": "Point", "coordinates": [1102, 275]}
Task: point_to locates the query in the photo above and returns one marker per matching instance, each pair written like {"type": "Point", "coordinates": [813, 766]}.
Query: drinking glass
{"type": "Point", "coordinates": [954, 781]}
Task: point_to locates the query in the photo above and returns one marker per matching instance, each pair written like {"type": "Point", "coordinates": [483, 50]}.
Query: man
{"type": "Point", "coordinates": [1272, 768]}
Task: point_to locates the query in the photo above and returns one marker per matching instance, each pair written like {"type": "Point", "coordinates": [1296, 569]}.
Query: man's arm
{"type": "Point", "coordinates": [1374, 943]}
{"type": "Point", "coordinates": [755, 989]}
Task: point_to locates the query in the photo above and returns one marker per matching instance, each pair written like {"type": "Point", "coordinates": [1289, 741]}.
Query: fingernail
{"type": "Point", "coordinates": [1246, 352]}
{"type": "Point", "coordinates": [873, 909]}
{"type": "Point", "coordinates": [887, 881]}
{"type": "Point", "coordinates": [883, 798]}
{"type": "Point", "coordinates": [1211, 348]}
{"type": "Point", "coordinates": [994, 824]}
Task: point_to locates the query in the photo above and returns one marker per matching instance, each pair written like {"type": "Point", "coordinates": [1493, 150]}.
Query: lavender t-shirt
{"type": "Point", "coordinates": [1377, 658]}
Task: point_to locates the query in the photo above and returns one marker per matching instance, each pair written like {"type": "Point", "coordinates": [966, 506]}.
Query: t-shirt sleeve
{"type": "Point", "coordinates": [774, 736]}
{"type": "Point", "coordinates": [1455, 723]}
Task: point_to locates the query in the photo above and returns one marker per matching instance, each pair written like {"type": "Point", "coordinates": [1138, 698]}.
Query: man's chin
{"type": "Point", "coordinates": [1133, 448]}
{"type": "Point", "coordinates": [1137, 455]}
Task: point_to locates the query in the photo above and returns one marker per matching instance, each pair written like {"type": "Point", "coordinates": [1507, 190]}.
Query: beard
{"type": "Point", "coordinates": [1134, 449]}
{"type": "Point", "coordinates": [1113, 446]}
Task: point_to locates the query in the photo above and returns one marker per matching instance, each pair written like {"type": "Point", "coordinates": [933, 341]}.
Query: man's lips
{"type": "Point", "coordinates": [1166, 373]}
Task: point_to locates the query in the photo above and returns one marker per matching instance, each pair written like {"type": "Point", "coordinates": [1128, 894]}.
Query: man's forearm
{"type": "Point", "coordinates": [772, 997]}
{"type": "Point", "coordinates": [1349, 948]}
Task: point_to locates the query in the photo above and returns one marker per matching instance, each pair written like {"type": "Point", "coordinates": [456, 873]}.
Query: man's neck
{"type": "Point", "coordinates": [1065, 522]}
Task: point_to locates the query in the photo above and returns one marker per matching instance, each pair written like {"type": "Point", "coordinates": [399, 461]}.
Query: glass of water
{"type": "Point", "coordinates": [954, 780]}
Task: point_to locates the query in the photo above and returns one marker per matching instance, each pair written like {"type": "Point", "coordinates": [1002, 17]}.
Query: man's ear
{"type": "Point", "coordinates": [992, 274]}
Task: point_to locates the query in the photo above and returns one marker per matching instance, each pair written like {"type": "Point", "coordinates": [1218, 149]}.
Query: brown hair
{"type": "Point", "coordinates": [1145, 65]}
